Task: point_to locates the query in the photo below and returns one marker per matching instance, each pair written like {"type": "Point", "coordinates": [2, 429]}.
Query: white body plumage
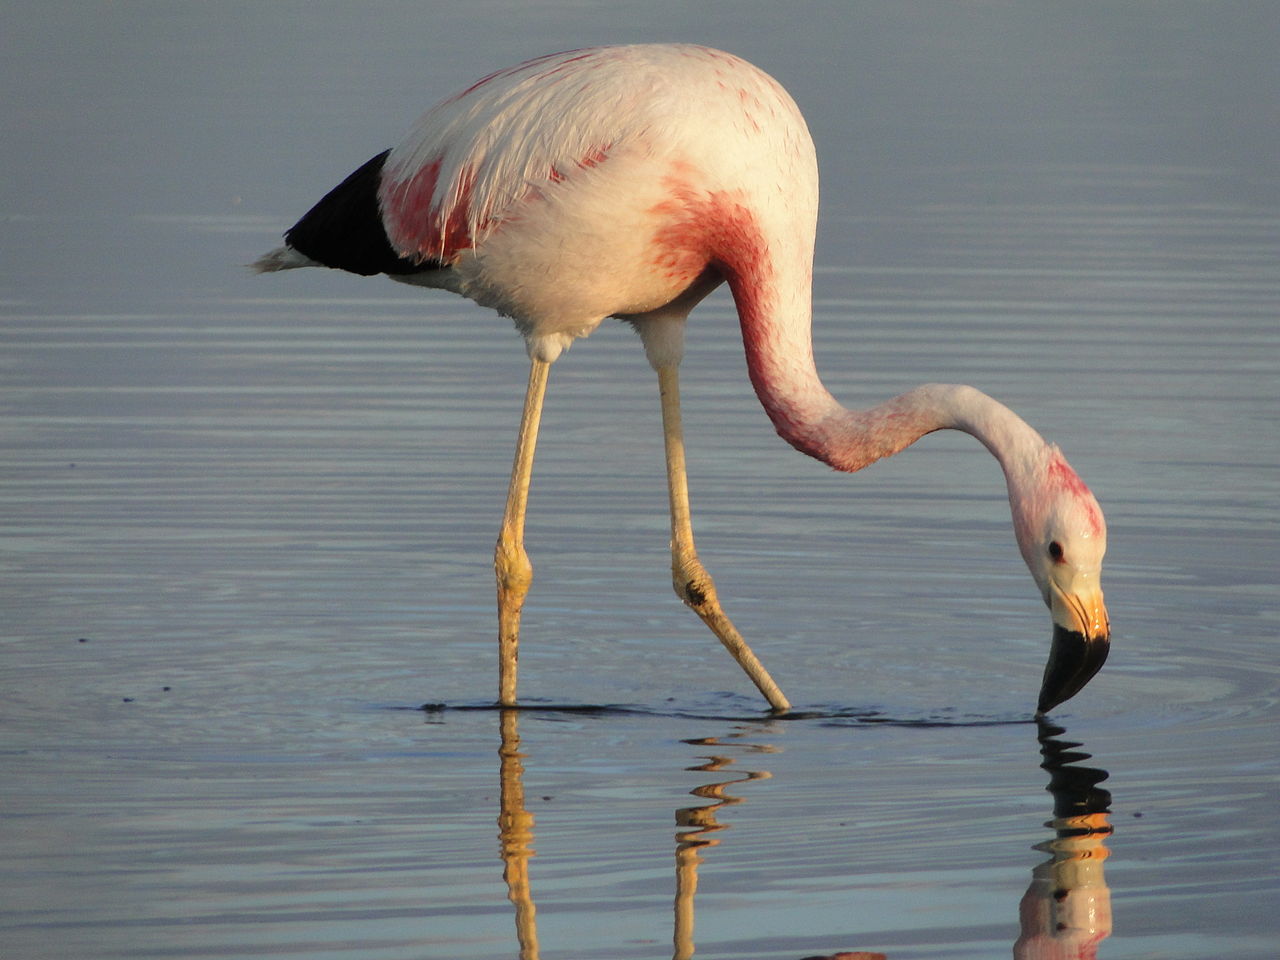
{"type": "Point", "coordinates": [559, 191]}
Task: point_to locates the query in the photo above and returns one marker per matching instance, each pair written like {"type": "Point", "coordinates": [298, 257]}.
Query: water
{"type": "Point", "coordinates": [247, 521]}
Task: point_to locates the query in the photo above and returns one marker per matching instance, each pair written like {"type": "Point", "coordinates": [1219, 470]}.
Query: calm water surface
{"type": "Point", "coordinates": [246, 522]}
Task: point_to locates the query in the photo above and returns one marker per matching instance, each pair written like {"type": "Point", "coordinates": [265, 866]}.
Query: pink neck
{"type": "Point", "coordinates": [779, 351]}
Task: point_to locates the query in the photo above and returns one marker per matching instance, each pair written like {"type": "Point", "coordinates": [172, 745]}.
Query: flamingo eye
{"type": "Point", "coordinates": [1055, 551]}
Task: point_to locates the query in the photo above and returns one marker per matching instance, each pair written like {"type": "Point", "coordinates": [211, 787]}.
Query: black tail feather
{"type": "Point", "coordinates": [344, 230]}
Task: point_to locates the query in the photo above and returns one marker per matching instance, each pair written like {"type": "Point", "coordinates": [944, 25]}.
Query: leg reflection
{"type": "Point", "coordinates": [1066, 911]}
{"type": "Point", "coordinates": [697, 824]}
{"type": "Point", "coordinates": [515, 834]}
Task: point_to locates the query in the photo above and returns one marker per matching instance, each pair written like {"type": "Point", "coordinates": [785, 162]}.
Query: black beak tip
{"type": "Point", "coordinates": [1073, 660]}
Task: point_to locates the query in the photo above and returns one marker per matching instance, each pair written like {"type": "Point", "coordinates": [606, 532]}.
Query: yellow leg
{"type": "Point", "coordinates": [689, 577]}
{"type": "Point", "coordinates": [510, 562]}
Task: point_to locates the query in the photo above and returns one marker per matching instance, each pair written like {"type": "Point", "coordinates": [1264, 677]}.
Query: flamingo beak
{"type": "Point", "coordinates": [1081, 641]}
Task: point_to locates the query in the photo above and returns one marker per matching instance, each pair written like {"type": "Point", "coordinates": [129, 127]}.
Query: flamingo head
{"type": "Point", "coordinates": [1063, 536]}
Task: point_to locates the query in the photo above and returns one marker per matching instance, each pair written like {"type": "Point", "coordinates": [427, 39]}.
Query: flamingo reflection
{"type": "Point", "coordinates": [1066, 911]}
{"type": "Point", "coordinates": [1064, 914]}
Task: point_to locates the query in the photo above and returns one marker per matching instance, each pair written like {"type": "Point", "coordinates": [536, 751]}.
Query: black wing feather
{"type": "Point", "coordinates": [344, 230]}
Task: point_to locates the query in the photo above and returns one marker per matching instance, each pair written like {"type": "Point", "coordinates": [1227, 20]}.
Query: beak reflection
{"type": "Point", "coordinates": [1066, 911]}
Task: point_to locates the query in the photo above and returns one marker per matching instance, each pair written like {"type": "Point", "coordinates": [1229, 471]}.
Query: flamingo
{"type": "Point", "coordinates": [629, 182]}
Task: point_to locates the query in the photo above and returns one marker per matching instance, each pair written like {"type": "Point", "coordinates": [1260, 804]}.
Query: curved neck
{"type": "Point", "coordinates": [775, 320]}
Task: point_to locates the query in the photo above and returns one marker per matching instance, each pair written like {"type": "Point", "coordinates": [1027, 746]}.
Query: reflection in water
{"type": "Point", "coordinates": [697, 826]}
{"type": "Point", "coordinates": [1064, 915]}
{"type": "Point", "coordinates": [1066, 911]}
{"type": "Point", "coordinates": [515, 834]}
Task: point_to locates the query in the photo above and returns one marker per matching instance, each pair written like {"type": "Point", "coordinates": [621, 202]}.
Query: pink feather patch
{"type": "Point", "coordinates": [1063, 478]}
{"type": "Point", "coordinates": [420, 227]}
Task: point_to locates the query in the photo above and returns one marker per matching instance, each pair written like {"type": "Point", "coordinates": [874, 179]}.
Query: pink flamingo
{"type": "Point", "coordinates": [630, 182]}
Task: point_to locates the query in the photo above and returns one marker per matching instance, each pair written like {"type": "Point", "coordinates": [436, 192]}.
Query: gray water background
{"type": "Point", "coordinates": [246, 522]}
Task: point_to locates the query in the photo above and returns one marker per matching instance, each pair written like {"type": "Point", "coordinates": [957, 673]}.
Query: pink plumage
{"type": "Point", "coordinates": [630, 182]}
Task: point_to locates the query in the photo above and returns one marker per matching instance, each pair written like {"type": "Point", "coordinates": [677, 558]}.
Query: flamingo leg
{"type": "Point", "coordinates": [689, 577]}
{"type": "Point", "coordinates": [510, 562]}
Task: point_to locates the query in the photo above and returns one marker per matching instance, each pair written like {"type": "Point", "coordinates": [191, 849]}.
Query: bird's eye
{"type": "Point", "coordinates": [1055, 551]}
